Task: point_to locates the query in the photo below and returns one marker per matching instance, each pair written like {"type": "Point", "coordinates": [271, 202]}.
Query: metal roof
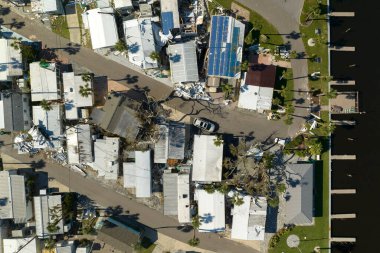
{"type": "Point", "coordinates": [73, 99]}
{"type": "Point", "coordinates": [46, 208]}
{"type": "Point", "coordinates": [13, 203]}
{"type": "Point", "coordinates": [254, 97]}
{"type": "Point", "coordinates": [122, 4]}
{"type": "Point", "coordinates": [170, 183]}
{"type": "Point", "coordinates": [184, 198]}
{"type": "Point", "coordinates": [119, 237]}
{"type": "Point", "coordinates": [299, 194]}
{"type": "Point", "coordinates": [248, 221]}
{"type": "Point", "coordinates": [207, 159]}
{"type": "Point", "coordinates": [79, 144]}
{"type": "Point", "coordinates": [211, 210]}
{"type": "Point", "coordinates": [138, 174]}
{"type": "Point", "coordinates": [103, 28]}
{"type": "Point", "coordinates": [140, 40]}
{"type": "Point", "coordinates": [177, 134]}
{"type": "Point", "coordinates": [226, 47]}
{"type": "Point", "coordinates": [43, 82]}
{"type": "Point", "coordinates": [15, 111]}
{"type": "Point", "coordinates": [20, 245]}
{"type": "Point", "coordinates": [169, 15]}
{"type": "Point", "coordinates": [162, 145]}
{"type": "Point", "coordinates": [10, 60]}
{"type": "Point", "coordinates": [49, 122]}
{"type": "Point", "coordinates": [183, 62]}
{"type": "Point", "coordinates": [106, 157]}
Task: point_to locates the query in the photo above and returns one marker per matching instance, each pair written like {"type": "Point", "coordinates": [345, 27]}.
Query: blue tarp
{"type": "Point", "coordinates": [167, 22]}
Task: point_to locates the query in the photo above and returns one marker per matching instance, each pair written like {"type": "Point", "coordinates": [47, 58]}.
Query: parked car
{"type": "Point", "coordinates": [204, 125]}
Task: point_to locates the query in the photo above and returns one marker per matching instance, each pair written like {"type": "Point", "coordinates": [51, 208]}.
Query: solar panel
{"type": "Point", "coordinates": [167, 21]}
{"type": "Point", "coordinates": [224, 43]}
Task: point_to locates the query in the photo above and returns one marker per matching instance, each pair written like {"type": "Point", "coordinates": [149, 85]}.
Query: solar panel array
{"type": "Point", "coordinates": [224, 43]}
{"type": "Point", "coordinates": [167, 21]}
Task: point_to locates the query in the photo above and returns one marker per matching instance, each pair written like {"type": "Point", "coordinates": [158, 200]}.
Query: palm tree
{"type": "Point", "coordinates": [288, 120]}
{"type": "Point", "coordinates": [237, 201]}
{"type": "Point", "coordinates": [45, 105]}
{"type": "Point", "coordinates": [196, 222]}
{"type": "Point", "coordinates": [227, 89]}
{"type": "Point", "coordinates": [282, 91]}
{"type": "Point", "coordinates": [276, 101]}
{"type": "Point", "coordinates": [86, 77]}
{"type": "Point", "coordinates": [315, 148]}
{"type": "Point", "coordinates": [120, 46]}
{"type": "Point", "coordinates": [154, 55]}
{"type": "Point", "coordinates": [218, 141]}
{"type": "Point", "coordinates": [244, 66]}
{"type": "Point", "coordinates": [85, 91]}
{"type": "Point", "coordinates": [331, 94]}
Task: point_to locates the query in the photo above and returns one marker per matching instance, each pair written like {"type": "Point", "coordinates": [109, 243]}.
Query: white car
{"type": "Point", "coordinates": [204, 125]}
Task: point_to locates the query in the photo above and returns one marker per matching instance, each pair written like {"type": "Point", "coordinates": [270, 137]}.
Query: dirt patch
{"type": "Point", "coordinates": [240, 11]}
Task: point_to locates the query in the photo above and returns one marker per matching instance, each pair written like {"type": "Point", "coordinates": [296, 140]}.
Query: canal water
{"type": "Point", "coordinates": [363, 139]}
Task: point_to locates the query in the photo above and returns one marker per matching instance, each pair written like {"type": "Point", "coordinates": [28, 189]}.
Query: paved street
{"type": "Point", "coordinates": [230, 120]}
{"type": "Point", "coordinates": [284, 15]}
{"type": "Point", "coordinates": [107, 197]}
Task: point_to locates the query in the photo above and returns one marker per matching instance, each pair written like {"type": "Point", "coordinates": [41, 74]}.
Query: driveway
{"type": "Point", "coordinates": [230, 120]}
{"type": "Point", "coordinates": [108, 198]}
{"type": "Point", "coordinates": [284, 15]}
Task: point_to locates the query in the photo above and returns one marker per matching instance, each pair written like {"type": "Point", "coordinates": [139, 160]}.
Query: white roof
{"type": "Point", "coordinates": [10, 60]}
{"type": "Point", "coordinates": [183, 62]}
{"type": "Point", "coordinates": [138, 174]}
{"type": "Point", "coordinates": [13, 203]}
{"type": "Point", "coordinates": [207, 159]}
{"type": "Point", "coordinates": [140, 41]}
{"type": "Point", "coordinates": [162, 145]}
{"type": "Point", "coordinates": [78, 141]}
{"type": "Point", "coordinates": [46, 6]}
{"type": "Point", "coordinates": [73, 99]}
{"type": "Point", "coordinates": [122, 3]}
{"type": "Point", "coordinates": [43, 82]}
{"type": "Point", "coordinates": [211, 210]}
{"type": "Point", "coordinates": [106, 157]}
{"type": "Point", "coordinates": [255, 97]}
{"type": "Point", "coordinates": [46, 209]}
{"type": "Point", "coordinates": [171, 6]}
{"type": "Point", "coordinates": [248, 221]}
{"type": "Point", "coordinates": [65, 247]}
{"type": "Point", "coordinates": [103, 28]}
{"type": "Point", "coordinates": [49, 121]}
{"type": "Point", "coordinates": [27, 245]}
{"type": "Point", "coordinates": [2, 123]}
{"type": "Point", "coordinates": [184, 198]}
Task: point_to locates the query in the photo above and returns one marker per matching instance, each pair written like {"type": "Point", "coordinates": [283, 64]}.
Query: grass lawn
{"type": "Point", "coordinates": [321, 47]}
{"type": "Point", "coordinates": [318, 234]}
{"type": "Point", "coordinates": [59, 26]}
{"type": "Point", "coordinates": [256, 19]}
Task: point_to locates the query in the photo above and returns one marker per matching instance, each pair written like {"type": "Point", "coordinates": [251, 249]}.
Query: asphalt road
{"type": "Point", "coordinates": [108, 198]}
{"type": "Point", "coordinates": [233, 121]}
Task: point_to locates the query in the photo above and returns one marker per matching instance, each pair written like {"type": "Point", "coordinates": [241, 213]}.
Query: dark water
{"type": "Point", "coordinates": [364, 173]}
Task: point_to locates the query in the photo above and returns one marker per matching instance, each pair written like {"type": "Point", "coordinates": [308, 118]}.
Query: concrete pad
{"type": "Point", "coordinates": [73, 24]}
{"type": "Point", "coordinates": [240, 11]}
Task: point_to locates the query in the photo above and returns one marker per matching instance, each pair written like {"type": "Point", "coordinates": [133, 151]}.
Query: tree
{"type": "Point", "coordinates": [244, 66]}
{"type": "Point", "coordinates": [86, 77]}
{"type": "Point", "coordinates": [276, 101]}
{"type": "Point", "coordinates": [85, 91]}
{"type": "Point", "coordinates": [263, 38]}
{"type": "Point", "coordinates": [28, 53]}
{"type": "Point", "coordinates": [288, 120]}
{"type": "Point", "coordinates": [52, 227]}
{"type": "Point", "coordinates": [282, 91]}
{"type": "Point", "coordinates": [121, 46]}
{"type": "Point", "coordinates": [196, 223]}
{"type": "Point", "coordinates": [227, 89]}
{"type": "Point", "coordinates": [154, 56]}
{"type": "Point", "coordinates": [315, 148]}
{"type": "Point", "coordinates": [238, 201]}
{"type": "Point", "coordinates": [274, 201]}
{"type": "Point", "coordinates": [218, 141]}
{"type": "Point", "coordinates": [331, 94]}
{"type": "Point", "coordinates": [45, 105]}
{"type": "Point", "coordinates": [49, 243]}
